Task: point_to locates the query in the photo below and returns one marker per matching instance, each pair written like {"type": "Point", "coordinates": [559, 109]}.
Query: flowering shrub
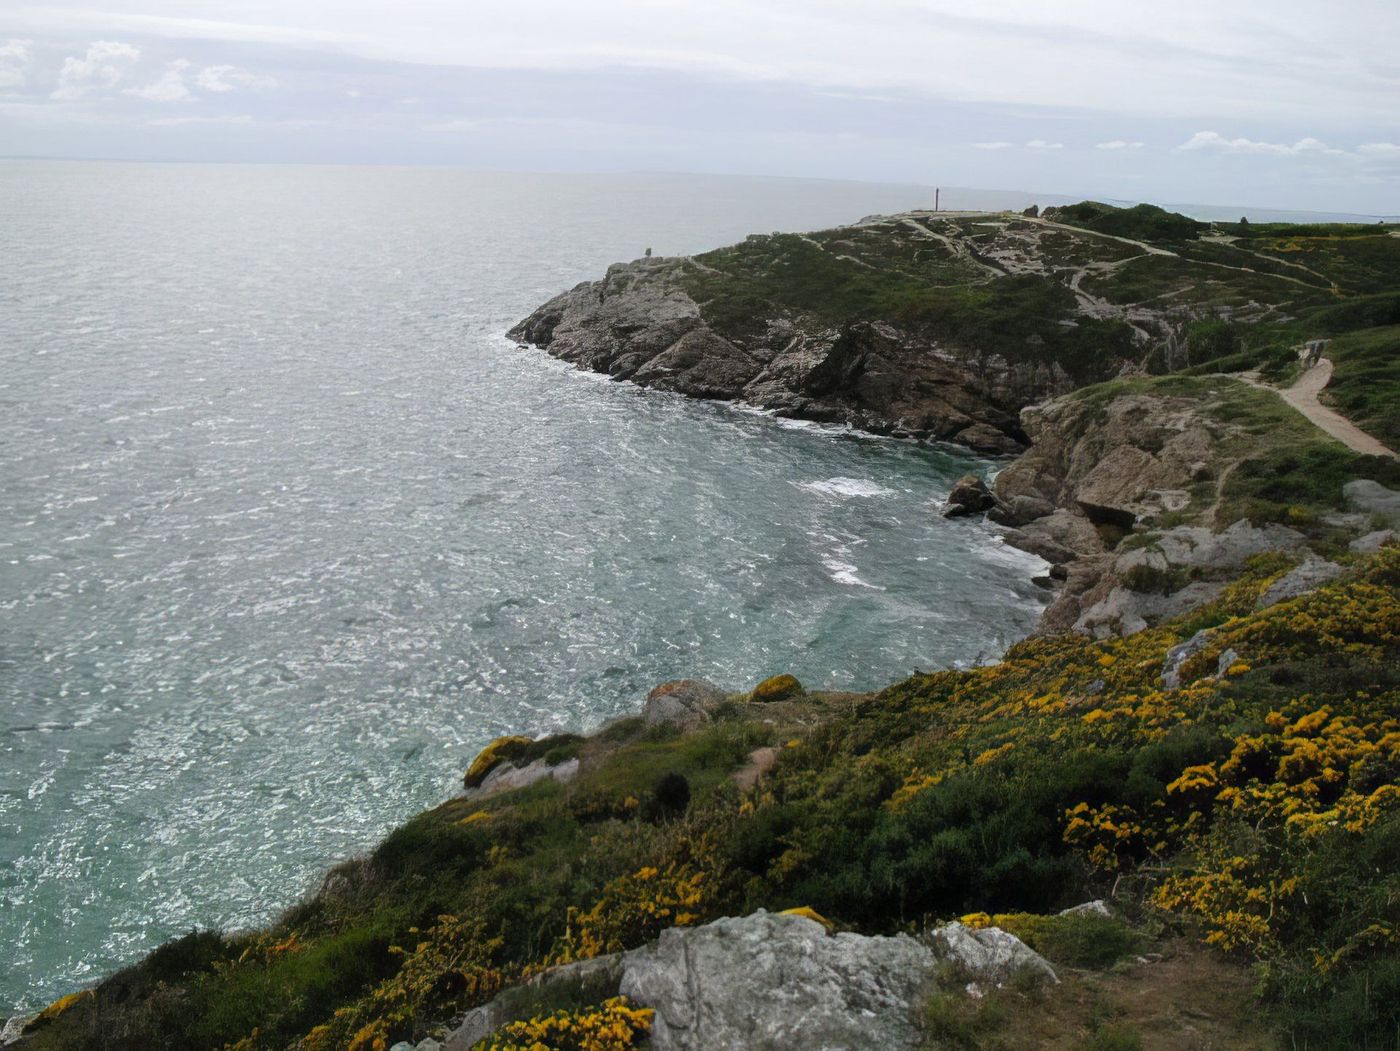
{"type": "Point", "coordinates": [639, 905]}
{"type": "Point", "coordinates": [610, 1026]}
{"type": "Point", "coordinates": [449, 964]}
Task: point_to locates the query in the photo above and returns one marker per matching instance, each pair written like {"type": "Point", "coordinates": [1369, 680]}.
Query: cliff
{"type": "Point", "coordinates": [926, 325]}
{"type": "Point", "coordinates": [1170, 818]}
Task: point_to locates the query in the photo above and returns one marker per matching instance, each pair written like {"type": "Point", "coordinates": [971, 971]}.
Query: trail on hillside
{"type": "Point", "coordinates": [1302, 396]}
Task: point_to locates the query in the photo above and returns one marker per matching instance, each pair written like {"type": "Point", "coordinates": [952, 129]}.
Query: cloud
{"type": "Point", "coordinates": [102, 68]}
{"type": "Point", "coordinates": [1212, 140]}
{"type": "Point", "coordinates": [170, 87]}
{"type": "Point", "coordinates": [1033, 144]}
{"type": "Point", "coordinates": [220, 79]}
{"type": "Point", "coordinates": [1382, 151]}
{"type": "Point", "coordinates": [1119, 144]}
{"type": "Point", "coordinates": [175, 122]}
{"type": "Point", "coordinates": [14, 62]}
{"type": "Point", "coordinates": [457, 124]}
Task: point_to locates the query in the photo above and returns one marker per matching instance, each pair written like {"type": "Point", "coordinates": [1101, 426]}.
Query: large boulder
{"type": "Point", "coordinates": [776, 982]}
{"type": "Point", "coordinates": [1373, 498]}
{"type": "Point", "coordinates": [777, 688]}
{"type": "Point", "coordinates": [990, 955]}
{"type": "Point", "coordinates": [683, 703]}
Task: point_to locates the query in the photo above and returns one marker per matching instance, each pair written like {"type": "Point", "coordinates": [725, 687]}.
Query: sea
{"type": "Point", "coordinates": [289, 529]}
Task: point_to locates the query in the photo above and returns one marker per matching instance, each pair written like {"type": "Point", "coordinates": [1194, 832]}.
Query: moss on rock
{"type": "Point", "coordinates": [493, 755]}
{"type": "Point", "coordinates": [777, 688]}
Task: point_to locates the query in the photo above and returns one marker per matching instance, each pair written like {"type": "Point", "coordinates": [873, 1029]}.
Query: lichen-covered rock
{"type": "Point", "coordinates": [777, 688]}
{"type": "Point", "coordinates": [774, 983]}
{"type": "Point", "coordinates": [13, 1029]}
{"type": "Point", "coordinates": [988, 955]}
{"type": "Point", "coordinates": [1372, 542]}
{"type": "Point", "coordinates": [683, 703]}
{"type": "Point", "coordinates": [498, 751]}
{"type": "Point", "coordinates": [53, 1010]}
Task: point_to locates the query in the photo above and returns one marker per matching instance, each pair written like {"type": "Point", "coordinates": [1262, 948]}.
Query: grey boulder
{"type": "Point", "coordinates": [683, 703]}
{"type": "Point", "coordinates": [990, 955]}
{"type": "Point", "coordinates": [774, 982]}
{"type": "Point", "coordinates": [1372, 497]}
{"type": "Point", "coordinates": [1309, 575]}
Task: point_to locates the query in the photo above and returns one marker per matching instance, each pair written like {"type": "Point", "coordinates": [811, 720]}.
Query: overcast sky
{"type": "Point", "coordinates": [1285, 104]}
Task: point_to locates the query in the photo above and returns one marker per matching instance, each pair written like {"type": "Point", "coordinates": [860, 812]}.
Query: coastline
{"type": "Point", "coordinates": [1209, 549]}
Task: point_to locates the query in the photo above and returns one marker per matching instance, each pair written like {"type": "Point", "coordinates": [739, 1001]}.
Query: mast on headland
{"type": "Point", "coordinates": [935, 198]}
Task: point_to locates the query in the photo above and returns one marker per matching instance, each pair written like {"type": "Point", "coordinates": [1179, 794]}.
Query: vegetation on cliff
{"type": "Point", "coordinates": [1256, 806]}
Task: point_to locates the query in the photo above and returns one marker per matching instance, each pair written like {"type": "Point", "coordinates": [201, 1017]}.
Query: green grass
{"type": "Point", "coordinates": [1363, 260]}
{"type": "Point", "coordinates": [1365, 384]}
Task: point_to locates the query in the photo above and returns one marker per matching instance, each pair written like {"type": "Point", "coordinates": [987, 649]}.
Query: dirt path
{"type": "Point", "coordinates": [1082, 232]}
{"type": "Point", "coordinates": [1303, 397]}
{"type": "Point", "coordinates": [761, 760]}
{"type": "Point", "coordinates": [957, 247]}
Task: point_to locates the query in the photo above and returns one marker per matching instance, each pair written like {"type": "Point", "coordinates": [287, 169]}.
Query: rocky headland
{"type": "Point", "coordinates": [1170, 818]}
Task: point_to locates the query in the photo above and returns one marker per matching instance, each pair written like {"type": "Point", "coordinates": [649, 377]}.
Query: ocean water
{"type": "Point", "coordinates": [288, 529]}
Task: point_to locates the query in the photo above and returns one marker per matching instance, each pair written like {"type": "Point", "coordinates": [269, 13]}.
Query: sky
{"type": "Point", "coordinates": [1285, 104]}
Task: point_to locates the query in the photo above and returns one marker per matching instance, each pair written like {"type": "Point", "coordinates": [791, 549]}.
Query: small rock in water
{"type": "Point", "coordinates": [970, 496]}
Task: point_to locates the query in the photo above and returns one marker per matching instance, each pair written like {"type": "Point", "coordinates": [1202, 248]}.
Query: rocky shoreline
{"type": "Point", "coordinates": [1122, 495]}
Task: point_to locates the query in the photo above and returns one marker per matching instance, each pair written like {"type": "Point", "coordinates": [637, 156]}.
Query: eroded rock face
{"type": "Point", "coordinates": [772, 983]}
{"type": "Point", "coordinates": [640, 323]}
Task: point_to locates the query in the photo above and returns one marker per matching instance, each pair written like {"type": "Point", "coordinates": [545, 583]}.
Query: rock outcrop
{"type": "Point", "coordinates": [683, 703]}
{"type": "Point", "coordinates": [774, 982]}
{"type": "Point", "coordinates": [641, 323]}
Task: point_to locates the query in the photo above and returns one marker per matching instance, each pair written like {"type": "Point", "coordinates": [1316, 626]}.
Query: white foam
{"type": "Point", "coordinates": [847, 487]}
{"type": "Point", "coordinates": [845, 573]}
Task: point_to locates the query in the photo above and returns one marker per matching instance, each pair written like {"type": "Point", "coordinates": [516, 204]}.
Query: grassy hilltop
{"type": "Point", "coordinates": [1246, 822]}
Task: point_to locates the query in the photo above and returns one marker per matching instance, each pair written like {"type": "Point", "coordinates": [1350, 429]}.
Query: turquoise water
{"type": "Point", "coordinates": [288, 529]}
